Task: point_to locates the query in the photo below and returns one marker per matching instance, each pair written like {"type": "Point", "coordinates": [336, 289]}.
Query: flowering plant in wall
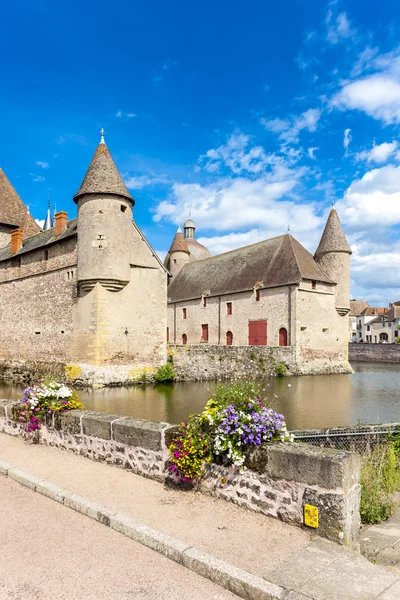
{"type": "Point", "coordinates": [41, 400]}
{"type": "Point", "coordinates": [234, 419]}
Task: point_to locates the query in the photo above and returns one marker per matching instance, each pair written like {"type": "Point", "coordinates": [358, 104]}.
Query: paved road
{"type": "Point", "coordinates": [48, 551]}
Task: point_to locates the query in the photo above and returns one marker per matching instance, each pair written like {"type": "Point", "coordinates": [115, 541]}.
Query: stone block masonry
{"type": "Point", "coordinates": [386, 353]}
{"type": "Point", "coordinates": [204, 362]}
{"type": "Point", "coordinates": [278, 481]}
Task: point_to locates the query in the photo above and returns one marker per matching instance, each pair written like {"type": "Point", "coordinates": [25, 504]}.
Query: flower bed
{"type": "Point", "coordinates": [234, 419]}
{"type": "Point", "coordinates": [41, 400]}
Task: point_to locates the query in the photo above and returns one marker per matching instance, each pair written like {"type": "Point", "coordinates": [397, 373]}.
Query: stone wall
{"type": "Point", "coordinates": [387, 353]}
{"type": "Point", "coordinates": [37, 300]}
{"type": "Point", "coordinates": [205, 362]}
{"type": "Point", "coordinates": [280, 479]}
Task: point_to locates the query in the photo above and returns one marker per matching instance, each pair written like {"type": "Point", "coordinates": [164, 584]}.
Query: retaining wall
{"type": "Point", "coordinates": [387, 353]}
{"type": "Point", "coordinates": [204, 362]}
{"type": "Point", "coordinates": [278, 481]}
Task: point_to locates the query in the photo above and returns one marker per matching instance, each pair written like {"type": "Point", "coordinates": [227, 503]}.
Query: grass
{"type": "Point", "coordinates": [380, 481]}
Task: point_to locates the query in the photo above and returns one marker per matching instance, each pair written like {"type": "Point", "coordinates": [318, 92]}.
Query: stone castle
{"type": "Point", "coordinates": [92, 290]}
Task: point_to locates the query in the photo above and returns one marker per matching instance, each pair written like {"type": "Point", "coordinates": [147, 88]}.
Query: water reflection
{"type": "Point", "coordinates": [370, 395]}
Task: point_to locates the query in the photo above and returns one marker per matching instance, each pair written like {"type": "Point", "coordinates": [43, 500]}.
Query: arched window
{"type": "Point", "coordinates": [283, 337]}
{"type": "Point", "coordinates": [383, 337]}
{"type": "Point", "coordinates": [184, 339]}
{"type": "Point", "coordinates": [229, 338]}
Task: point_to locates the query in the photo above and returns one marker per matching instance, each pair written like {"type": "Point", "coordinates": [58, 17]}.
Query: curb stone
{"type": "Point", "coordinates": [243, 584]}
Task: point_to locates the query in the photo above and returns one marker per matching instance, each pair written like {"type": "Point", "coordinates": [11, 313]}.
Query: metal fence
{"type": "Point", "coordinates": [360, 439]}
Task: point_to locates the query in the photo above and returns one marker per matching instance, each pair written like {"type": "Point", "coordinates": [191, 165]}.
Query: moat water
{"type": "Point", "coordinates": [370, 395]}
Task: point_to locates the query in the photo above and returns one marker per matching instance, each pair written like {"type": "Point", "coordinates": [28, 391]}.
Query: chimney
{"type": "Point", "coordinates": [16, 240]}
{"type": "Point", "coordinates": [61, 221]}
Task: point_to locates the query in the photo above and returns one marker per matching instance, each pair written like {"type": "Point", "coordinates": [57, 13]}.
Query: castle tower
{"type": "Point", "coordinates": [178, 254]}
{"type": "Point", "coordinates": [333, 256]}
{"type": "Point", "coordinates": [104, 224]}
{"type": "Point", "coordinates": [197, 250]}
{"type": "Point", "coordinates": [189, 228]}
{"type": "Point", "coordinates": [120, 314]}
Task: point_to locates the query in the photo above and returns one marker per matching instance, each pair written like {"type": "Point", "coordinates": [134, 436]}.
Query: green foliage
{"type": "Point", "coordinates": [380, 480]}
{"type": "Point", "coordinates": [221, 358]}
{"type": "Point", "coordinates": [280, 369]}
{"type": "Point", "coordinates": [165, 373]}
{"type": "Point", "coordinates": [233, 419]}
{"type": "Point", "coordinates": [252, 355]}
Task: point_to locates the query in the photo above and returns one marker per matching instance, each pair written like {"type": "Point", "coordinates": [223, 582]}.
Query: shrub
{"type": "Point", "coordinates": [380, 479]}
{"type": "Point", "coordinates": [233, 420]}
{"type": "Point", "coordinates": [280, 369]}
{"type": "Point", "coordinates": [41, 400]}
{"type": "Point", "coordinates": [165, 373]}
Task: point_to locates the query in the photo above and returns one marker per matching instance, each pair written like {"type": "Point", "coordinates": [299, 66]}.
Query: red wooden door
{"type": "Point", "coordinates": [258, 333]}
{"type": "Point", "coordinates": [283, 337]}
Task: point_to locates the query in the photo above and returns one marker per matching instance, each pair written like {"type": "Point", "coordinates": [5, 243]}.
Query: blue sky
{"type": "Point", "coordinates": [254, 115]}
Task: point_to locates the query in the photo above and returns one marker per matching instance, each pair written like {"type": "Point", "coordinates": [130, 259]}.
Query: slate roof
{"type": "Point", "coordinates": [102, 176]}
{"type": "Point", "coordinates": [356, 306]}
{"type": "Point", "coordinates": [275, 262]}
{"type": "Point", "coordinates": [13, 211]}
{"type": "Point", "coordinates": [44, 238]}
{"type": "Point", "coordinates": [333, 238]}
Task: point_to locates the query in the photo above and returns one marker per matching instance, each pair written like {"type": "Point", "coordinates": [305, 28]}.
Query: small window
{"type": "Point", "coordinates": [184, 313]}
{"type": "Point", "coordinates": [167, 335]}
{"type": "Point", "coordinates": [303, 328]}
{"type": "Point", "coordinates": [314, 285]}
{"type": "Point", "coordinates": [229, 338]}
{"type": "Point", "coordinates": [257, 295]}
{"type": "Point", "coordinates": [229, 308]}
{"type": "Point", "coordinates": [368, 328]}
{"type": "Point", "coordinates": [325, 329]}
{"type": "Point", "coordinates": [396, 333]}
{"type": "Point", "coordinates": [184, 339]}
{"type": "Point", "coordinates": [204, 301]}
{"type": "Point", "coordinates": [204, 333]}
{"type": "Point", "coordinates": [174, 261]}
{"type": "Point", "coordinates": [123, 208]}
{"type": "Point", "coordinates": [46, 255]}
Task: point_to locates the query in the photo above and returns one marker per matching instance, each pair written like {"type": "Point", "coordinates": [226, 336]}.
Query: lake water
{"type": "Point", "coordinates": [370, 395]}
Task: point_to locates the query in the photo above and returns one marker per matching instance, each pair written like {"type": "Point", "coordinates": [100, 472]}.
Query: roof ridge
{"type": "Point", "coordinates": [240, 248]}
{"type": "Point", "coordinates": [311, 257]}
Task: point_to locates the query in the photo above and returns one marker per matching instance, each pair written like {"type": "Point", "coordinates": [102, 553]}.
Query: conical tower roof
{"type": "Point", "coordinates": [48, 224]}
{"type": "Point", "coordinates": [333, 238]}
{"type": "Point", "coordinates": [179, 243]}
{"type": "Point", "coordinates": [102, 176]}
{"type": "Point", "coordinates": [13, 211]}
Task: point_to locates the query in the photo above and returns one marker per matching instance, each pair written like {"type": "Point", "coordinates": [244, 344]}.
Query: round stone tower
{"type": "Point", "coordinates": [333, 256]}
{"type": "Point", "coordinates": [178, 254]}
{"type": "Point", "coordinates": [104, 225]}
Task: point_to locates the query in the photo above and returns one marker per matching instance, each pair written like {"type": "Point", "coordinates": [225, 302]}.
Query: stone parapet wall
{"type": "Point", "coordinates": [205, 362]}
{"type": "Point", "coordinates": [387, 353]}
{"type": "Point", "coordinates": [278, 481]}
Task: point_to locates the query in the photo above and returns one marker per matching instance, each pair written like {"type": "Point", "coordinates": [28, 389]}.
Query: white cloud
{"type": "Point", "coordinates": [311, 153]}
{"type": "Point", "coordinates": [338, 28]}
{"type": "Point", "coordinates": [346, 140]}
{"type": "Point", "coordinates": [239, 156]}
{"type": "Point", "coordinates": [373, 202]}
{"type": "Point", "coordinates": [289, 129]}
{"type": "Point", "coordinates": [40, 222]}
{"type": "Point", "coordinates": [119, 114]}
{"type": "Point", "coordinates": [379, 153]}
{"type": "Point", "coordinates": [37, 178]}
{"type": "Point", "coordinates": [137, 182]}
{"type": "Point", "coordinates": [43, 164]}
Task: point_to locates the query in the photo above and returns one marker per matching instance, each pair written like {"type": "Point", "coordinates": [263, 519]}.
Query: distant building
{"type": "Point", "coordinates": [272, 293]}
{"type": "Point", "coordinates": [374, 324]}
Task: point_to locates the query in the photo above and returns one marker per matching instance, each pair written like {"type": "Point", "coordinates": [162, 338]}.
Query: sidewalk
{"type": "Point", "coordinates": [306, 567]}
{"type": "Point", "coordinates": [381, 543]}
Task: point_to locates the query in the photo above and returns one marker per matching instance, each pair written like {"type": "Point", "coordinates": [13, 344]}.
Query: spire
{"type": "Point", "coordinates": [333, 239]}
{"type": "Point", "coordinates": [102, 136]}
{"type": "Point", "coordinates": [48, 224]}
{"type": "Point", "coordinates": [102, 176]}
{"type": "Point", "coordinates": [179, 243]}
